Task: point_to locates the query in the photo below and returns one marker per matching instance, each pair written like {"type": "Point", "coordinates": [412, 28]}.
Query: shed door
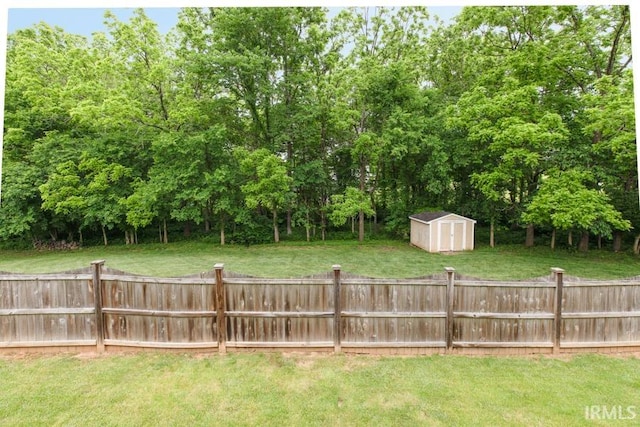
{"type": "Point", "coordinates": [451, 236]}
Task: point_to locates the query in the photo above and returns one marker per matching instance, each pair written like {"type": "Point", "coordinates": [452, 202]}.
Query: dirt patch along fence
{"type": "Point", "coordinates": [102, 308]}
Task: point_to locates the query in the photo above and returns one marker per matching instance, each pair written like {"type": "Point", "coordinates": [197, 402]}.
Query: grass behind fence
{"type": "Point", "coordinates": [291, 259]}
{"type": "Point", "coordinates": [276, 389]}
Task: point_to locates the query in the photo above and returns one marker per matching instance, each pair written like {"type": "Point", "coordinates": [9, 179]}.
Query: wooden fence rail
{"type": "Point", "coordinates": [102, 308]}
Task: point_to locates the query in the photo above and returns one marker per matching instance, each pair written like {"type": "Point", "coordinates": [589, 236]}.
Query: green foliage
{"type": "Point", "coordinates": [89, 193]}
{"type": "Point", "coordinates": [19, 208]}
{"type": "Point", "coordinates": [251, 230]}
{"type": "Point", "coordinates": [140, 205]}
{"type": "Point", "coordinates": [240, 115]}
{"type": "Point", "coordinates": [348, 205]}
{"type": "Point", "coordinates": [62, 193]}
{"type": "Point", "coordinates": [268, 184]}
{"type": "Point", "coordinates": [566, 203]}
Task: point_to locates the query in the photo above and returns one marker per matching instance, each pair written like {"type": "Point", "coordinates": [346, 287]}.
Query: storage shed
{"type": "Point", "coordinates": [442, 231]}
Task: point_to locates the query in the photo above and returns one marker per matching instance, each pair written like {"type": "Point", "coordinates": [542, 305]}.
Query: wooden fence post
{"type": "Point", "coordinates": [450, 296]}
{"type": "Point", "coordinates": [97, 298]}
{"type": "Point", "coordinates": [220, 307]}
{"type": "Point", "coordinates": [337, 306]}
{"type": "Point", "coordinates": [558, 276]}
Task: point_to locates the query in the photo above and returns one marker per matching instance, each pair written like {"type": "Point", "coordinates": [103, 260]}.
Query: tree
{"type": "Point", "coordinates": [564, 202]}
{"type": "Point", "coordinates": [310, 183]}
{"type": "Point", "coordinates": [348, 205]}
{"type": "Point", "coordinates": [610, 115]}
{"type": "Point", "coordinates": [107, 184]}
{"type": "Point", "coordinates": [20, 211]}
{"type": "Point", "coordinates": [141, 210]}
{"type": "Point", "coordinates": [263, 59]}
{"type": "Point", "coordinates": [268, 184]}
{"type": "Point", "coordinates": [41, 63]}
{"type": "Point", "coordinates": [87, 193]}
{"type": "Point", "coordinates": [541, 56]}
{"type": "Point", "coordinates": [517, 137]}
{"type": "Point", "coordinates": [225, 197]}
{"type": "Point", "coordinates": [62, 194]}
{"type": "Point", "coordinates": [381, 107]}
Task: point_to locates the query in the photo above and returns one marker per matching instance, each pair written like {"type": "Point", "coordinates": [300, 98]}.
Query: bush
{"type": "Point", "coordinates": [254, 231]}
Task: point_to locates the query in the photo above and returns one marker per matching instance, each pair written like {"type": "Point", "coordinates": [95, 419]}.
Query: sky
{"type": "Point", "coordinates": [85, 21]}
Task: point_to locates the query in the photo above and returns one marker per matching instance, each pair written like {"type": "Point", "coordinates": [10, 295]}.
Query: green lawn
{"type": "Point", "coordinates": [290, 259]}
{"type": "Point", "coordinates": [153, 388]}
{"type": "Point", "coordinates": [306, 389]}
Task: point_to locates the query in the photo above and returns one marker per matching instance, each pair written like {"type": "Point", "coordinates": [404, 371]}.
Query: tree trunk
{"type": "Point", "coordinates": [290, 162]}
{"type": "Point", "coordinates": [553, 239]}
{"type": "Point", "coordinates": [617, 241]}
{"type": "Point", "coordinates": [104, 236]}
{"type": "Point", "coordinates": [276, 233]}
{"type": "Point", "coordinates": [165, 237]}
{"type": "Point", "coordinates": [492, 238]}
{"type": "Point", "coordinates": [131, 237]}
{"type": "Point", "coordinates": [363, 171]}
{"type": "Point", "coordinates": [187, 229]}
{"type": "Point", "coordinates": [636, 245]}
{"type": "Point", "coordinates": [222, 237]}
{"type": "Point", "coordinates": [570, 239]}
{"type": "Point", "coordinates": [584, 242]}
{"type": "Point", "coordinates": [207, 219]}
{"type": "Point", "coordinates": [529, 241]}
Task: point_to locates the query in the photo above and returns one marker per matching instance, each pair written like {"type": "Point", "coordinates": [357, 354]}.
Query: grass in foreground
{"type": "Point", "coordinates": [276, 389]}
{"type": "Point", "coordinates": [376, 258]}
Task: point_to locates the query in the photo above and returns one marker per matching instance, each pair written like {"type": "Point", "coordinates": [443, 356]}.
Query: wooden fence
{"type": "Point", "coordinates": [98, 307]}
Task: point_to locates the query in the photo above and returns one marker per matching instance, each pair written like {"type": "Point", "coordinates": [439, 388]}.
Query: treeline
{"type": "Point", "coordinates": [252, 122]}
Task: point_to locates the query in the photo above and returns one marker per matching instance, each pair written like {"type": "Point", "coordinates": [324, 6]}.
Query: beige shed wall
{"type": "Point", "coordinates": [420, 235]}
{"type": "Point", "coordinates": [449, 233]}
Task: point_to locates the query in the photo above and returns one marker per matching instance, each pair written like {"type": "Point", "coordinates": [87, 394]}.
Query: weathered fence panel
{"type": "Point", "coordinates": [157, 312]}
{"type": "Point", "coordinates": [498, 314]}
{"type": "Point", "coordinates": [279, 312]}
{"type": "Point", "coordinates": [46, 310]}
{"type": "Point", "coordinates": [392, 313]}
{"type": "Point", "coordinates": [597, 313]}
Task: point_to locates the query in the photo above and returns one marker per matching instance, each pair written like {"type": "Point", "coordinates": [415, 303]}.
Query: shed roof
{"type": "Point", "coordinates": [431, 216]}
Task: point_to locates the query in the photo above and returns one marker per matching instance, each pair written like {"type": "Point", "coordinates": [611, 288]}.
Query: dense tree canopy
{"type": "Point", "coordinates": [249, 121]}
